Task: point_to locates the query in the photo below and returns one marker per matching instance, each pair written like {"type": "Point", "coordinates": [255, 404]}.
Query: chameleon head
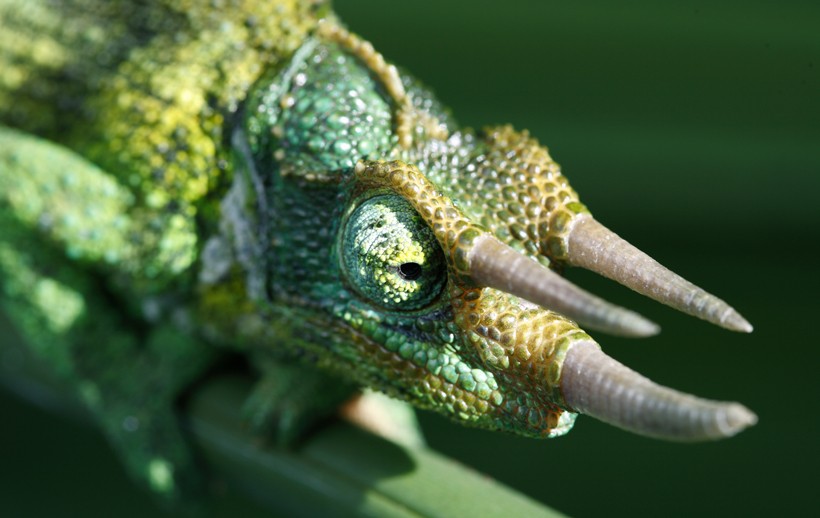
{"type": "Point", "coordinates": [423, 265]}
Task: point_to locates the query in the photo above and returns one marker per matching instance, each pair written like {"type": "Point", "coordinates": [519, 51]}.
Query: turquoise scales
{"type": "Point", "coordinates": [258, 178]}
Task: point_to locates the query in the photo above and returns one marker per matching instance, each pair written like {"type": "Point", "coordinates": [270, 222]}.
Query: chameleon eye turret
{"type": "Point", "coordinates": [390, 256]}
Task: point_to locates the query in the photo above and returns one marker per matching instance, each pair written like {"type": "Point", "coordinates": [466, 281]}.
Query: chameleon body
{"type": "Point", "coordinates": [187, 176]}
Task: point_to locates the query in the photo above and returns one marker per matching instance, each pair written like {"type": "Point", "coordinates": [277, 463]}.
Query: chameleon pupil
{"type": "Point", "coordinates": [410, 271]}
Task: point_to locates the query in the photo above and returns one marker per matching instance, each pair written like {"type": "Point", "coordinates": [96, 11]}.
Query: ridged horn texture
{"type": "Point", "coordinates": [595, 247]}
{"type": "Point", "coordinates": [594, 384]}
{"type": "Point", "coordinates": [496, 265]}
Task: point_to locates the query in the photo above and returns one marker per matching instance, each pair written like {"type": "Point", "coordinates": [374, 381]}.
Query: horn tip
{"type": "Point", "coordinates": [638, 327]}
{"type": "Point", "coordinates": [733, 321]}
{"type": "Point", "coordinates": [649, 328]}
{"type": "Point", "coordinates": [736, 419]}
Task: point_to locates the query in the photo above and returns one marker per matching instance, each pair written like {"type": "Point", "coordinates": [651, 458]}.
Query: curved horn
{"type": "Point", "coordinates": [595, 247]}
{"type": "Point", "coordinates": [496, 265]}
{"type": "Point", "coordinates": [592, 383]}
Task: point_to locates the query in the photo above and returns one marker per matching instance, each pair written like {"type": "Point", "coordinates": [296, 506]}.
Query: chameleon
{"type": "Point", "coordinates": [182, 178]}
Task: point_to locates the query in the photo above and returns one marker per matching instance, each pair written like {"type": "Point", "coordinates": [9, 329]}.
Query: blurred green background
{"type": "Point", "coordinates": [691, 129]}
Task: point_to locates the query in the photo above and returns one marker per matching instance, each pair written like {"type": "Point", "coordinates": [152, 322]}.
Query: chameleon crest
{"type": "Point", "coordinates": [265, 180]}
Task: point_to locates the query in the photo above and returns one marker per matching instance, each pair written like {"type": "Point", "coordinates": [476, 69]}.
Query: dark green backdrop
{"type": "Point", "coordinates": [691, 129]}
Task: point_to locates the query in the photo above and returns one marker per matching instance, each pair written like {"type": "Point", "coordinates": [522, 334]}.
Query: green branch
{"type": "Point", "coordinates": [339, 470]}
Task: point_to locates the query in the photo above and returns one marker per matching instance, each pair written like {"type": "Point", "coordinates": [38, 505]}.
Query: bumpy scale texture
{"type": "Point", "coordinates": [507, 182]}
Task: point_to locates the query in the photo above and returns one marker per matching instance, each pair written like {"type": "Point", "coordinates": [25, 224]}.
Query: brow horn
{"type": "Point", "coordinates": [496, 265]}
{"type": "Point", "coordinates": [594, 384]}
{"type": "Point", "coordinates": [595, 247]}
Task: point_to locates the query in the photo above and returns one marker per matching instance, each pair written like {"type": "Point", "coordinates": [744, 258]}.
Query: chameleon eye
{"type": "Point", "coordinates": [390, 256]}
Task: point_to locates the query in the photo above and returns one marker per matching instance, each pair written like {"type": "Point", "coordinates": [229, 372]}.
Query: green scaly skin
{"type": "Point", "coordinates": [182, 178]}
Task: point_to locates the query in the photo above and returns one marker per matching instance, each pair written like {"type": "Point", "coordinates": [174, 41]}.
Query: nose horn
{"type": "Point", "coordinates": [494, 264]}
{"type": "Point", "coordinates": [595, 247]}
{"type": "Point", "coordinates": [594, 384]}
